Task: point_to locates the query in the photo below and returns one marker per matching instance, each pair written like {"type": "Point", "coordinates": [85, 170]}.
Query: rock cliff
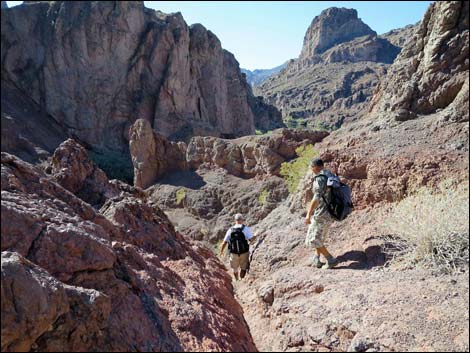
{"type": "Point", "coordinates": [431, 72]}
{"type": "Point", "coordinates": [95, 67]}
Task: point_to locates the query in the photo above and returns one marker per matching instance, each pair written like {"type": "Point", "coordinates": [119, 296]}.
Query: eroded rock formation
{"type": "Point", "coordinates": [154, 156]}
{"type": "Point", "coordinates": [431, 72]}
{"type": "Point", "coordinates": [75, 279]}
{"type": "Point", "coordinates": [96, 67]}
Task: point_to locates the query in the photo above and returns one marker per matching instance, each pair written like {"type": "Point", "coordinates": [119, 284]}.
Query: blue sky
{"type": "Point", "coordinates": [264, 34]}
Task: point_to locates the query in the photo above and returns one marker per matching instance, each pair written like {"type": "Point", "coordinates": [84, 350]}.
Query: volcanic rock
{"type": "Point", "coordinates": [431, 73]}
{"type": "Point", "coordinates": [117, 281]}
{"type": "Point", "coordinates": [174, 76]}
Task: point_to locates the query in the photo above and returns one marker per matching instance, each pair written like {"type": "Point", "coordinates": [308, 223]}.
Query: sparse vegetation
{"type": "Point", "coordinates": [264, 132]}
{"type": "Point", "coordinates": [295, 123]}
{"type": "Point", "coordinates": [114, 164]}
{"type": "Point", "coordinates": [321, 126]}
{"type": "Point", "coordinates": [180, 196]}
{"type": "Point", "coordinates": [263, 197]}
{"type": "Point", "coordinates": [295, 170]}
{"type": "Point", "coordinates": [430, 229]}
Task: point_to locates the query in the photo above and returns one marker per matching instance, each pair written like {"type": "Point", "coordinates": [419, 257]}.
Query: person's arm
{"type": "Point", "coordinates": [222, 248]}
{"type": "Point", "coordinates": [318, 189]}
{"type": "Point", "coordinates": [311, 209]}
{"type": "Point", "coordinates": [225, 242]}
{"type": "Point", "coordinates": [249, 235]}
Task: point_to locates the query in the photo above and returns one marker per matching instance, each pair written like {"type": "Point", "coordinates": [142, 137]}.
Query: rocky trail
{"type": "Point", "coordinates": [358, 306]}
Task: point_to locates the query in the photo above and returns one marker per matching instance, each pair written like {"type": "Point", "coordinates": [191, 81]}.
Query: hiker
{"type": "Point", "coordinates": [318, 217]}
{"type": "Point", "coordinates": [237, 238]}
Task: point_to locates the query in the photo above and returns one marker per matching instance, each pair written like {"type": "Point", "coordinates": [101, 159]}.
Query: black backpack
{"type": "Point", "coordinates": [238, 243]}
{"type": "Point", "coordinates": [340, 205]}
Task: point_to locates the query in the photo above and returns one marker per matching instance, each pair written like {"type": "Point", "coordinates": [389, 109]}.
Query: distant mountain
{"type": "Point", "coordinates": [336, 73]}
{"type": "Point", "coordinates": [258, 76]}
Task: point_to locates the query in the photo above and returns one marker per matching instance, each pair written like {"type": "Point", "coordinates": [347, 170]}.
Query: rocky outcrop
{"type": "Point", "coordinates": [174, 76]}
{"type": "Point", "coordinates": [153, 155]}
{"type": "Point", "coordinates": [252, 155]}
{"type": "Point", "coordinates": [75, 279]}
{"type": "Point", "coordinates": [333, 26]}
{"type": "Point", "coordinates": [71, 167]}
{"type": "Point", "coordinates": [431, 72]}
{"type": "Point", "coordinates": [335, 75]}
{"type": "Point", "coordinates": [367, 48]}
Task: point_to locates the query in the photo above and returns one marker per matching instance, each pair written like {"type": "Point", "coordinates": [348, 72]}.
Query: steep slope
{"type": "Point", "coordinates": [118, 279]}
{"type": "Point", "coordinates": [336, 73]}
{"type": "Point", "coordinates": [96, 67]}
{"type": "Point", "coordinates": [430, 74]}
{"type": "Point", "coordinates": [27, 130]}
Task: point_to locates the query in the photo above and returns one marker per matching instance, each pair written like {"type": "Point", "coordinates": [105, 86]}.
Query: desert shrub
{"type": "Point", "coordinates": [430, 229]}
{"type": "Point", "coordinates": [295, 170]}
{"type": "Point", "coordinates": [180, 196]}
{"type": "Point", "coordinates": [263, 197]}
{"type": "Point", "coordinates": [295, 123]}
{"type": "Point", "coordinates": [114, 164]}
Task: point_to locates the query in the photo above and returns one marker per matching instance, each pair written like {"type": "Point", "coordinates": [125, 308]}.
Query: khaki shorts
{"type": "Point", "coordinates": [239, 261]}
{"type": "Point", "coordinates": [317, 231]}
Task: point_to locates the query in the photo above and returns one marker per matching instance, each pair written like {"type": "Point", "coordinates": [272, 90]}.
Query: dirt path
{"type": "Point", "coordinates": [359, 306]}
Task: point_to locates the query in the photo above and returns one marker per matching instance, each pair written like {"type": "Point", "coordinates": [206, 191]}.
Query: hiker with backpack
{"type": "Point", "coordinates": [331, 201]}
{"type": "Point", "coordinates": [237, 238]}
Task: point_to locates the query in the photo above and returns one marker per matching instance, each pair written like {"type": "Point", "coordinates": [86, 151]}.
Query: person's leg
{"type": "Point", "coordinates": [330, 260]}
{"type": "Point", "coordinates": [244, 258]}
{"type": "Point", "coordinates": [324, 251]}
{"type": "Point", "coordinates": [235, 264]}
{"type": "Point", "coordinates": [314, 240]}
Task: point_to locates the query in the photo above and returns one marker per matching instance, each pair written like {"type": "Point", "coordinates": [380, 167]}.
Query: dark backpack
{"type": "Point", "coordinates": [340, 205]}
{"type": "Point", "coordinates": [238, 243]}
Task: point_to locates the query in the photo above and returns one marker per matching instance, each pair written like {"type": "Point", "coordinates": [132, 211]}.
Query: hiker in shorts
{"type": "Point", "coordinates": [237, 238]}
{"type": "Point", "coordinates": [318, 216]}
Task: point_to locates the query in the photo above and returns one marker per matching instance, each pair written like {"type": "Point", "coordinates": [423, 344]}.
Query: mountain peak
{"type": "Point", "coordinates": [333, 26]}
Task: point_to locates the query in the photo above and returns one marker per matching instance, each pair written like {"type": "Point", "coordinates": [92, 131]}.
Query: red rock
{"type": "Point", "coordinates": [127, 283]}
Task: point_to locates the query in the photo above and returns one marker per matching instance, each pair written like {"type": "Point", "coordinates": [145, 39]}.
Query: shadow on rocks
{"type": "Point", "coordinates": [188, 179]}
{"type": "Point", "coordinates": [371, 257]}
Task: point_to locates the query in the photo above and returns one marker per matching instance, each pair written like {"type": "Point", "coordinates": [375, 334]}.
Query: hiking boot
{"type": "Point", "coordinates": [316, 262]}
{"type": "Point", "coordinates": [331, 263]}
{"type": "Point", "coordinates": [235, 274]}
{"type": "Point", "coordinates": [242, 274]}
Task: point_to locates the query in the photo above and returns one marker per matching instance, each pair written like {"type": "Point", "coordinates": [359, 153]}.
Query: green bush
{"type": "Point", "coordinates": [180, 196]}
{"type": "Point", "coordinates": [114, 164]}
{"type": "Point", "coordinates": [430, 230]}
{"type": "Point", "coordinates": [295, 170]}
{"type": "Point", "coordinates": [263, 197]}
